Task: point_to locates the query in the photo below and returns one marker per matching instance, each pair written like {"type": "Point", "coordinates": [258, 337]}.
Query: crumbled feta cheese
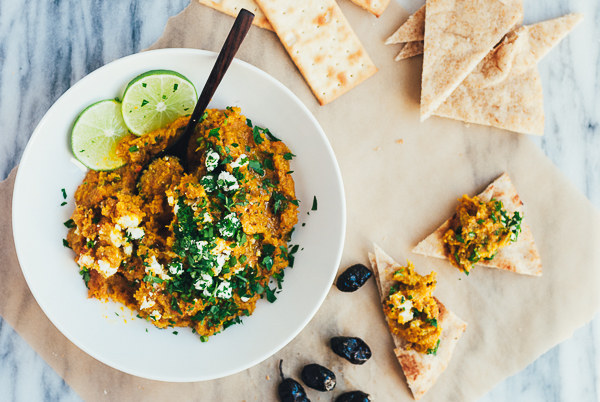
{"type": "Point", "coordinates": [116, 238]}
{"type": "Point", "coordinates": [85, 260]}
{"type": "Point", "coordinates": [203, 282]}
{"type": "Point", "coordinates": [228, 225]}
{"type": "Point", "coordinates": [176, 268]}
{"type": "Point", "coordinates": [128, 249]}
{"type": "Point", "coordinates": [129, 221]}
{"type": "Point", "coordinates": [212, 160]}
{"type": "Point", "coordinates": [206, 218]}
{"type": "Point", "coordinates": [244, 299]}
{"type": "Point", "coordinates": [170, 200]}
{"type": "Point", "coordinates": [147, 303]}
{"type": "Point", "coordinates": [156, 269]}
{"type": "Point", "coordinates": [136, 233]}
{"type": "Point", "coordinates": [106, 269]}
{"type": "Point", "coordinates": [227, 181]}
{"type": "Point", "coordinates": [403, 306]}
{"type": "Point", "coordinates": [155, 315]}
{"type": "Point", "coordinates": [221, 260]}
{"type": "Point", "coordinates": [199, 246]}
{"type": "Point", "coordinates": [176, 209]}
{"type": "Point", "coordinates": [209, 183]}
{"type": "Point", "coordinates": [224, 290]}
{"type": "Point", "coordinates": [242, 160]}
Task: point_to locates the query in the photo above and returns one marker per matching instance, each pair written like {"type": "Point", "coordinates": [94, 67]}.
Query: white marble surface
{"type": "Point", "coordinates": [45, 47]}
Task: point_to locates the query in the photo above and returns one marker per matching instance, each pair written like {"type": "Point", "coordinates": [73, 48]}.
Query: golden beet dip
{"type": "Point", "coordinates": [478, 230]}
{"type": "Point", "coordinates": [190, 249]}
{"type": "Point", "coordinates": [412, 311]}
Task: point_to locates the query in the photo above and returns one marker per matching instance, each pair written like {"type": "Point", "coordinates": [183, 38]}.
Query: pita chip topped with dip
{"type": "Point", "coordinates": [487, 230]}
{"type": "Point", "coordinates": [424, 331]}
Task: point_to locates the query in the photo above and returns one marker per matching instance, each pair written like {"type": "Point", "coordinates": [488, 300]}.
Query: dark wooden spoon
{"type": "Point", "coordinates": [230, 47]}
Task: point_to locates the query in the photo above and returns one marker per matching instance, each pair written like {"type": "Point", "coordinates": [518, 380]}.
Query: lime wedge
{"type": "Point", "coordinates": [155, 99]}
{"type": "Point", "coordinates": [96, 133]}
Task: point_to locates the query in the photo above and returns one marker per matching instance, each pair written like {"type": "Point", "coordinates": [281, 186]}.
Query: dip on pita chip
{"type": "Point", "coordinates": [421, 369]}
{"type": "Point", "coordinates": [233, 7]}
{"type": "Point", "coordinates": [520, 256]}
{"type": "Point", "coordinates": [412, 30]}
{"type": "Point", "coordinates": [458, 35]}
{"type": "Point", "coordinates": [409, 50]}
{"type": "Point", "coordinates": [375, 7]}
{"type": "Point", "coordinates": [321, 43]}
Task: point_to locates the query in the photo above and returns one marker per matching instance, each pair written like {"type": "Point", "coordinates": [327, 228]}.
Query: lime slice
{"type": "Point", "coordinates": [96, 133]}
{"type": "Point", "coordinates": [155, 99]}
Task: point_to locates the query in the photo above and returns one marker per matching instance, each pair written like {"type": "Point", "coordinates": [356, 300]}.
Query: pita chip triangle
{"type": "Point", "coordinates": [505, 89]}
{"type": "Point", "coordinates": [521, 257]}
{"type": "Point", "coordinates": [458, 35]}
{"type": "Point", "coordinates": [409, 50]}
{"type": "Point", "coordinates": [375, 7]}
{"type": "Point", "coordinates": [421, 370]}
{"type": "Point", "coordinates": [412, 30]}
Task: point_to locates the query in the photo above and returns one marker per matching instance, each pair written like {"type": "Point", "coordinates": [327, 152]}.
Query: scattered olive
{"type": "Point", "coordinates": [290, 390]}
{"type": "Point", "coordinates": [353, 396]}
{"type": "Point", "coordinates": [355, 350]}
{"type": "Point", "coordinates": [318, 377]}
{"type": "Point", "coordinates": [353, 278]}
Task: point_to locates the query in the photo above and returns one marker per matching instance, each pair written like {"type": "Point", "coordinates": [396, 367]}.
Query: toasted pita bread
{"type": "Point", "coordinates": [375, 7]}
{"type": "Point", "coordinates": [321, 43]}
{"type": "Point", "coordinates": [409, 50]}
{"type": "Point", "coordinates": [458, 35]}
{"type": "Point", "coordinates": [412, 30]}
{"type": "Point", "coordinates": [233, 7]}
{"type": "Point", "coordinates": [421, 370]}
{"type": "Point", "coordinates": [521, 257]}
{"type": "Point", "coordinates": [505, 89]}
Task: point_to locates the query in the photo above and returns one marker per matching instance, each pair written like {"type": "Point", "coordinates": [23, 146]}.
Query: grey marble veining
{"type": "Point", "coordinates": [45, 47]}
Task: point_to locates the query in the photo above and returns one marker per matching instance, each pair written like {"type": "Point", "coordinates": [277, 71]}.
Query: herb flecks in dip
{"type": "Point", "coordinates": [412, 311]}
{"type": "Point", "coordinates": [478, 230]}
{"type": "Point", "coordinates": [190, 249]}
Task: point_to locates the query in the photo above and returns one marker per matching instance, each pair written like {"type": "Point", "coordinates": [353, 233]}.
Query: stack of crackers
{"type": "Point", "coordinates": [317, 37]}
{"type": "Point", "coordinates": [479, 66]}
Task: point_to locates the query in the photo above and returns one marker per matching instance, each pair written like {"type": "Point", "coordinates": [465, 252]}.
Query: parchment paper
{"type": "Point", "coordinates": [397, 192]}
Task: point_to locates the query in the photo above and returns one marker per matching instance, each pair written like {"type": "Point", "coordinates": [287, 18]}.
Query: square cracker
{"type": "Point", "coordinates": [321, 43]}
{"type": "Point", "coordinates": [375, 7]}
{"type": "Point", "coordinates": [421, 370]}
{"type": "Point", "coordinates": [458, 35]}
{"type": "Point", "coordinates": [521, 257]}
{"type": "Point", "coordinates": [412, 30]}
{"type": "Point", "coordinates": [233, 7]}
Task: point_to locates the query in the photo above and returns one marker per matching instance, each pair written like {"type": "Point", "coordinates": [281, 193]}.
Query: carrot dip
{"type": "Point", "coordinates": [195, 249]}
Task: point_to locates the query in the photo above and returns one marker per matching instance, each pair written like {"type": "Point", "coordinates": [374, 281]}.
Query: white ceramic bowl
{"type": "Point", "coordinates": [108, 331]}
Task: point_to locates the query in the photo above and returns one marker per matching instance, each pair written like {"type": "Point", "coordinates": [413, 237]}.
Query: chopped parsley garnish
{"type": "Point", "coordinates": [85, 274]}
{"type": "Point", "coordinates": [434, 350]}
{"type": "Point", "coordinates": [314, 205]}
{"type": "Point", "coordinates": [257, 167]}
{"type": "Point", "coordinates": [288, 156]}
{"type": "Point", "coordinates": [133, 148]}
{"type": "Point", "coordinates": [64, 193]}
{"type": "Point", "coordinates": [256, 134]}
{"type": "Point", "coordinates": [66, 243]}
{"type": "Point", "coordinates": [144, 103]}
{"type": "Point", "coordinates": [69, 223]}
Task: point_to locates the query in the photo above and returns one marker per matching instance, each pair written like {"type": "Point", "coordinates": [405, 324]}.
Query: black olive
{"type": "Point", "coordinates": [353, 278]}
{"type": "Point", "coordinates": [354, 396]}
{"type": "Point", "coordinates": [318, 377]}
{"type": "Point", "coordinates": [355, 350]}
{"type": "Point", "coordinates": [290, 390]}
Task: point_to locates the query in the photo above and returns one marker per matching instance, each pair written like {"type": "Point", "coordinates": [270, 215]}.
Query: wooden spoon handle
{"type": "Point", "coordinates": [238, 32]}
